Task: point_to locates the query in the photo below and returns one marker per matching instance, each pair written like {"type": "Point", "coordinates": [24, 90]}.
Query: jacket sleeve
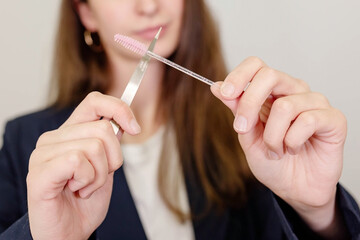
{"type": "Point", "coordinates": [19, 140]}
{"type": "Point", "coordinates": [14, 223]}
{"type": "Point", "coordinates": [296, 228]}
{"type": "Point", "coordinates": [18, 230]}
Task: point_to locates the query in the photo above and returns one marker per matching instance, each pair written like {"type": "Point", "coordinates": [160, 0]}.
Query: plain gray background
{"type": "Point", "coordinates": [317, 41]}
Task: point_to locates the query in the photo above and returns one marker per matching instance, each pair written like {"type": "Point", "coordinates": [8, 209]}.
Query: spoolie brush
{"type": "Point", "coordinates": [140, 48]}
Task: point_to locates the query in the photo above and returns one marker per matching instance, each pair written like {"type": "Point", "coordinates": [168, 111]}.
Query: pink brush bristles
{"type": "Point", "coordinates": [130, 44]}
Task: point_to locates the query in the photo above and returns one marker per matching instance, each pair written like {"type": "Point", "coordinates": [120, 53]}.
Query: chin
{"type": "Point", "coordinates": [166, 49]}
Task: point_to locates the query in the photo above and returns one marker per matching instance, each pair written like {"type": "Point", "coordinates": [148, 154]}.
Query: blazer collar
{"type": "Point", "coordinates": [123, 221]}
{"type": "Point", "coordinates": [212, 225]}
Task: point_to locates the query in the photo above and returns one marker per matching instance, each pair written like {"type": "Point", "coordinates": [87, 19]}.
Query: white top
{"type": "Point", "coordinates": [141, 163]}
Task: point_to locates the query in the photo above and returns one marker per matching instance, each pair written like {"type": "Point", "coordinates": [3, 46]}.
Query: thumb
{"type": "Point", "coordinates": [248, 138]}
{"type": "Point", "coordinates": [232, 104]}
{"type": "Point", "coordinates": [252, 137]}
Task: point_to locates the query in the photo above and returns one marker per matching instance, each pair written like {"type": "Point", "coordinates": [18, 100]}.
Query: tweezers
{"type": "Point", "coordinates": [135, 80]}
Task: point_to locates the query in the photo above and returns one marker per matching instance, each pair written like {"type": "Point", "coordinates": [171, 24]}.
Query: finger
{"type": "Point", "coordinates": [238, 79]}
{"type": "Point", "coordinates": [265, 109]}
{"type": "Point", "coordinates": [92, 149]}
{"type": "Point", "coordinates": [103, 190]}
{"type": "Point", "coordinates": [232, 104]}
{"type": "Point", "coordinates": [97, 105]}
{"type": "Point", "coordinates": [97, 157]}
{"type": "Point", "coordinates": [267, 82]}
{"type": "Point", "coordinates": [329, 124]}
{"type": "Point", "coordinates": [283, 112]}
{"type": "Point", "coordinates": [101, 130]}
{"type": "Point", "coordinates": [84, 172]}
{"type": "Point", "coordinates": [278, 83]}
{"type": "Point", "coordinates": [72, 166]}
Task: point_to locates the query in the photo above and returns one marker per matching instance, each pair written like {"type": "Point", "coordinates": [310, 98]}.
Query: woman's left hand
{"type": "Point", "coordinates": [292, 138]}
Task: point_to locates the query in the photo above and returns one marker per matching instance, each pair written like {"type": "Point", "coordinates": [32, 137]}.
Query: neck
{"type": "Point", "coordinates": [145, 103]}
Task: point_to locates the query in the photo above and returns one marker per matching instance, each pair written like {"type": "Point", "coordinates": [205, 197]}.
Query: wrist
{"type": "Point", "coordinates": [326, 220]}
{"type": "Point", "coordinates": [318, 218]}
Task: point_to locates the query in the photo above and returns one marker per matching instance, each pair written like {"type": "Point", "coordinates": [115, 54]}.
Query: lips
{"type": "Point", "coordinates": [149, 33]}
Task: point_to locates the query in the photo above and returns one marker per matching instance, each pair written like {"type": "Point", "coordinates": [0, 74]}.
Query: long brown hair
{"type": "Point", "coordinates": [208, 147]}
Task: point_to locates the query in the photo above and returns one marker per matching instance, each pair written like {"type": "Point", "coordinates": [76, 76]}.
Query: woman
{"type": "Point", "coordinates": [194, 179]}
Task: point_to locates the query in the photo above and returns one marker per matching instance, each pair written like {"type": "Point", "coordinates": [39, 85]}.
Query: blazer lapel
{"type": "Point", "coordinates": [122, 220]}
{"type": "Point", "coordinates": [212, 225]}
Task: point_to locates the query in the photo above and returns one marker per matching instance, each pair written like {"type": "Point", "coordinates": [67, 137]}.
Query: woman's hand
{"type": "Point", "coordinates": [71, 170]}
{"type": "Point", "coordinates": [292, 138]}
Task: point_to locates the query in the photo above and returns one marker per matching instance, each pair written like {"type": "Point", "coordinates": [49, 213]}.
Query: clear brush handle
{"type": "Point", "coordinates": [180, 68]}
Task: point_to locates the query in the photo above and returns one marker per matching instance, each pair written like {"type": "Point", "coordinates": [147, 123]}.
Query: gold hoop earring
{"type": "Point", "coordinates": [93, 41]}
{"type": "Point", "coordinates": [88, 38]}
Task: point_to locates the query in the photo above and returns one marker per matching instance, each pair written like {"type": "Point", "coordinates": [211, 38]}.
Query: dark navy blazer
{"type": "Point", "coordinates": [265, 216]}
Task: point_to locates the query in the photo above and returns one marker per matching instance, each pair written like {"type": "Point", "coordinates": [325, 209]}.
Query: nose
{"type": "Point", "coordinates": [147, 7]}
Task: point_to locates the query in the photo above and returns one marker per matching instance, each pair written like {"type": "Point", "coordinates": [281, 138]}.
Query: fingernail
{"type": "Point", "coordinates": [240, 123]}
{"type": "Point", "coordinates": [290, 151]}
{"type": "Point", "coordinates": [273, 155]}
{"type": "Point", "coordinates": [88, 196]}
{"type": "Point", "coordinates": [216, 85]}
{"type": "Point", "coordinates": [85, 195]}
{"type": "Point", "coordinates": [227, 89]}
{"type": "Point", "coordinates": [135, 126]}
{"type": "Point", "coordinates": [75, 185]}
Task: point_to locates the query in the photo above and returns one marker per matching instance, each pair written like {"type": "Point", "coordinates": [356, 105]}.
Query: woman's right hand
{"type": "Point", "coordinates": [71, 170]}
